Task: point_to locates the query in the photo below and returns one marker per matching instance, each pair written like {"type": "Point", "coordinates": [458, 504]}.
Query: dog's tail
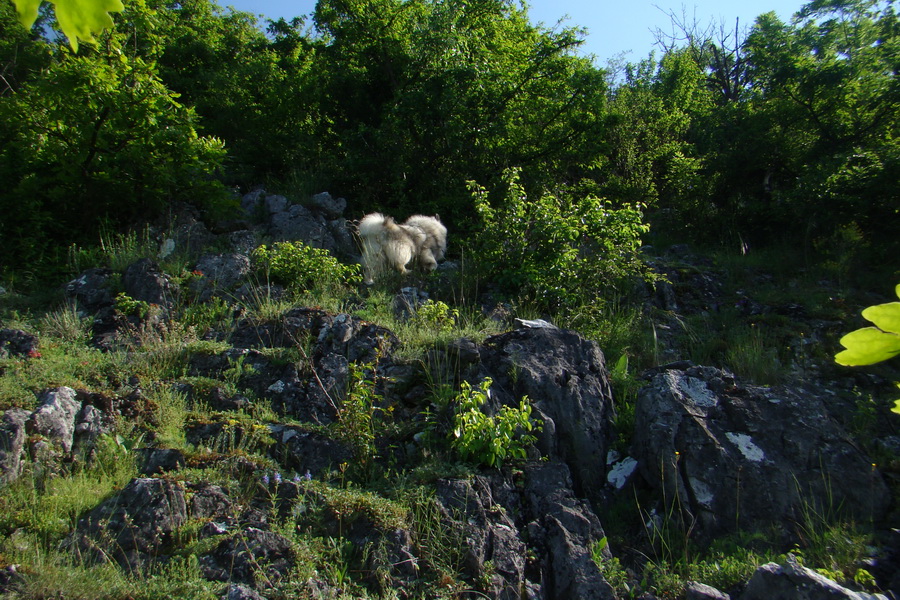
{"type": "Point", "coordinates": [376, 226]}
{"type": "Point", "coordinates": [372, 225]}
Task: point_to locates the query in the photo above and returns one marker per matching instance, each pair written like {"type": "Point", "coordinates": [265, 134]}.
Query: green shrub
{"type": "Point", "coordinates": [128, 306]}
{"type": "Point", "coordinates": [435, 316]}
{"type": "Point", "coordinates": [301, 268]}
{"type": "Point", "coordinates": [559, 251]}
{"type": "Point", "coordinates": [358, 417]}
{"type": "Point", "coordinates": [487, 440]}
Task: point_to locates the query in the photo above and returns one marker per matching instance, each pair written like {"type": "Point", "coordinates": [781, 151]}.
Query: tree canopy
{"type": "Point", "coordinates": [398, 104]}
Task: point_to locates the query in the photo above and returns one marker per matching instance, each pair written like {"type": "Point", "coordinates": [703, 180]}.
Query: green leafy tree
{"type": "Point", "coordinates": [97, 138]}
{"type": "Point", "coordinates": [750, 134]}
{"type": "Point", "coordinates": [419, 96]}
{"type": "Point", "coordinates": [827, 86]}
{"type": "Point", "coordinates": [22, 51]}
{"type": "Point", "coordinates": [255, 92]}
{"type": "Point", "coordinates": [650, 158]}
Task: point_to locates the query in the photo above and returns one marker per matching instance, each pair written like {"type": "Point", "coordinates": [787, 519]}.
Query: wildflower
{"type": "Point", "coordinates": [277, 478]}
{"type": "Point", "coordinates": [34, 353]}
{"type": "Point", "coordinates": [308, 475]}
{"type": "Point", "coordinates": [265, 479]}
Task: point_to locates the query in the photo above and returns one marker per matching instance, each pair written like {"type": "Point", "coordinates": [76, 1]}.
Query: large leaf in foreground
{"type": "Point", "coordinates": [78, 19]}
{"type": "Point", "coordinates": [868, 346]}
{"type": "Point", "coordinates": [871, 345]}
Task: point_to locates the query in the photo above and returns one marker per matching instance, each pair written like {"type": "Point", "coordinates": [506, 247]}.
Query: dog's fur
{"type": "Point", "coordinates": [387, 245]}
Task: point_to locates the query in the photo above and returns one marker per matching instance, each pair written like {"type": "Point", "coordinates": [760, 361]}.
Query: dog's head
{"type": "Point", "coordinates": [427, 259]}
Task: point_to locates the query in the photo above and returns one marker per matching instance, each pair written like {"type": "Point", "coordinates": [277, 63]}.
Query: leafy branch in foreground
{"type": "Point", "coordinates": [870, 345]}
{"type": "Point", "coordinates": [78, 19]}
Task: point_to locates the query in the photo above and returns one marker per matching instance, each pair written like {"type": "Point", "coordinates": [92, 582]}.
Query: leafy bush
{"type": "Point", "coordinates": [435, 316]}
{"type": "Point", "coordinates": [557, 251]}
{"type": "Point", "coordinates": [487, 440]}
{"type": "Point", "coordinates": [128, 306]}
{"type": "Point", "coordinates": [96, 139]}
{"type": "Point", "coordinates": [301, 267]}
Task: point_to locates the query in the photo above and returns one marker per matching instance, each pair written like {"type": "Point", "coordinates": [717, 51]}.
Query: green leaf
{"type": "Point", "coordinates": [28, 11]}
{"type": "Point", "coordinates": [621, 367]}
{"type": "Point", "coordinates": [77, 18]}
{"type": "Point", "coordinates": [885, 316]}
{"type": "Point", "coordinates": [868, 346]}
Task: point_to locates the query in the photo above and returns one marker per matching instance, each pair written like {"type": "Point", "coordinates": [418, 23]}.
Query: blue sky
{"type": "Point", "coordinates": [614, 26]}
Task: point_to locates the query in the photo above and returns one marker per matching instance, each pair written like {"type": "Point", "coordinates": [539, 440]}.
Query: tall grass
{"type": "Point", "coordinates": [753, 354]}
{"type": "Point", "coordinates": [724, 339]}
{"type": "Point", "coordinates": [48, 505]}
{"type": "Point", "coordinates": [171, 412]}
{"type": "Point", "coordinates": [115, 251]}
{"type": "Point", "coordinates": [60, 364]}
{"type": "Point", "coordinates": [53, 574]}
{"type": "Point", "coordinates": [67, 324]}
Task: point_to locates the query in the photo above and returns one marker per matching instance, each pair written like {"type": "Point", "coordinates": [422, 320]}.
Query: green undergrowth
{"type": "Point", "coordinates": [46, 502]}
{"type": "Point", "coordinates": [398, 452]}
{"type": "Point", "coordinates": [60, 363]}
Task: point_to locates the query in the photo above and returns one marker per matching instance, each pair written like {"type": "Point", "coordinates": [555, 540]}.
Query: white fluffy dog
{"type": "Point", "coordinates": [387, 245]}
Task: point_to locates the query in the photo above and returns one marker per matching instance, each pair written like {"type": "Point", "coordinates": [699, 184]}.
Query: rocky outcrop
{"type": "Point", "coordinates": [486, 533]}
{"type": "Point", "coordinates": [565, 377]}
{"type": "Point", "coordinates": [161, 460]}
{"type": "Point", "coordinates": [145, 282]}
{"type": "Point", "coordinates": [309, 452]}
{"type": "Point", "coordinates": [15, 342]}
{"type": "Point", "coordinates": [251, 556]}
{"type": "Point", "coordinates": [334, 341]}
{"type": "Point", "coordinates": [792, 581]}
{"type": "Point", "coordinates": [219, 273]}
{"type": "Point", "coordinates": [563, 529]}
{"type": "Point", "coordinates": [239, 591]}
{"type": "Point", "coordinates": [61, 427]}
{"type": "Point", "coordinates": [12, 443]}
{"type": "Point", "coordinates": [91, 289]}
{"type": "Point", "coordinates": [320, 225]}
{"type": "Point", "coordinates": [734, 457]}
{"type": "Point", "coordinates": [136, 525]}
{"type": "Point", "coordinates": [90, 424]}
{"type": "Point", "coordinates": [499, 520]}
{"type": "Point", "coordinates": [55, 417]}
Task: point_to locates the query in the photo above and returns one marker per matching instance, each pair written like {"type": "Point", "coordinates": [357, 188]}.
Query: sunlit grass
{"type": "Point", "coordinates": [115, 251]}
{"type": "Point", "coordinates": [59, 364]}
{"type": "Point", "coordinates": [48, 505]}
